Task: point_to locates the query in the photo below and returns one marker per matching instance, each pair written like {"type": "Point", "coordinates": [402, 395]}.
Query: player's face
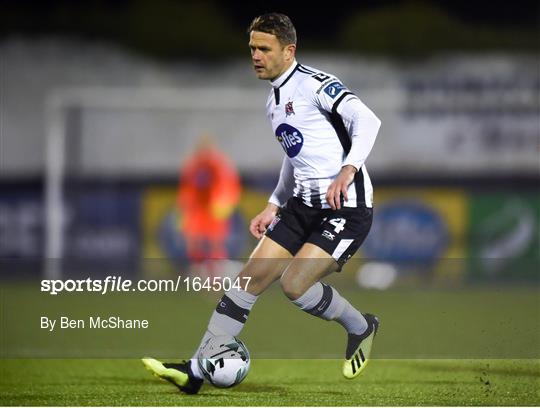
{"type": "Point", "coordinates": [269, 57]}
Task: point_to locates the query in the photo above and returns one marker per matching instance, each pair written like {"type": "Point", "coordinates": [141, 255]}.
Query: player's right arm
{"type": "Point", "coordinates": [282, 192]}
{"type": "Point", "coordinates": [262, 220]}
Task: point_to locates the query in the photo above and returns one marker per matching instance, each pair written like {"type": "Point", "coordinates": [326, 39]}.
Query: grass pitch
{"type": "Point", "coordinates": [276, 383]}
{"type": "Point", "coordinates": [435, 348]}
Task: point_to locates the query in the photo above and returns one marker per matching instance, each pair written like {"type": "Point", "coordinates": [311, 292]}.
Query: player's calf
{"type": "Point", "coordinates": [323, 301]}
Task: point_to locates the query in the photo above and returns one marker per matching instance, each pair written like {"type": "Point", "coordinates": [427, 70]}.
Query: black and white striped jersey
{"type": "Point", "coordinates": [322, 126]}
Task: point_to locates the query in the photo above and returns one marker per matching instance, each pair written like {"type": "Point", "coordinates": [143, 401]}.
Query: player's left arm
{"type": "Point", "coordinates": [360, 123]}
{"type": "Point", "coordinates": [362, 126]}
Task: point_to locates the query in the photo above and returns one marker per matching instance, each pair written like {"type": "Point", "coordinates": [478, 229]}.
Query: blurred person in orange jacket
{"type": "Point", "coordinates": [208, 192]}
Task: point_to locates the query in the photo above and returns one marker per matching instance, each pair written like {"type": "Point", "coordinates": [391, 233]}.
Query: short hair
{"type": "Point", "coordinates": [277, 24]}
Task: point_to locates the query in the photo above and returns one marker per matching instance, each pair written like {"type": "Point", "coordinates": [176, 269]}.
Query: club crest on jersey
{"type": "Point", "coordinates": [290, 138]}
{"type": "Point", "coordinates": [289, 109]}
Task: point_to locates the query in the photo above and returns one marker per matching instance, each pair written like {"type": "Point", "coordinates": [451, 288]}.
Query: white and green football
{"type": "Point", "coordinates": [224, 361]}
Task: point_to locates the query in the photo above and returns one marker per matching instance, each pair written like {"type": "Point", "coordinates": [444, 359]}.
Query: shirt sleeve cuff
{"type": "Point", "coordinates": [274, 200]}
{"type": "Point", "coordinates": [356, 164]}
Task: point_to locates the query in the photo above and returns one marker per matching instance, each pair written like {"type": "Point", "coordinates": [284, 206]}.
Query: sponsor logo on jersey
{"type": "Point", "coordinates": [290, 138]}
{"type": "Point", "coordinates": [333, 89]}
{"type": "Point", "coordinates": [289, 109]}
{"type": "Point", "coordinates": [328, 81]}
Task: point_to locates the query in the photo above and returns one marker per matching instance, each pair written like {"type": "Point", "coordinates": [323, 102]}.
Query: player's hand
{"type": "Point", "coordinates": [339, 186]}
{"type": "Point", "coordinates": [258, 224]}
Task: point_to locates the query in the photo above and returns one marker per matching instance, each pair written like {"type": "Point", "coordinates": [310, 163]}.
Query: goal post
{"type": "Point", "coordinates": [134, 133]}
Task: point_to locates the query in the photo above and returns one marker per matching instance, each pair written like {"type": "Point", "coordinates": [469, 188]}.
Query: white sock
{"type": "Point", "coordinates": [228, 319]}
{"type": "Point", "coordinates": [351, 319]}
{"type": "Point", "coordinates": [324, 301]}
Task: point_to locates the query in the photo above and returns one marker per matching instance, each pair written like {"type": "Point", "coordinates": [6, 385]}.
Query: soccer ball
{"type": "Point", "coordinates": [224, 361]}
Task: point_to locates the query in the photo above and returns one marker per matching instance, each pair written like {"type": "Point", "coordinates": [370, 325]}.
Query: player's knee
{"type": "Point", "coordinates": [291, 287]}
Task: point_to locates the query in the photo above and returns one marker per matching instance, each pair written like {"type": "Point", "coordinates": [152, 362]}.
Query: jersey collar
{"type": "Point", "coordinates": [283, 78]}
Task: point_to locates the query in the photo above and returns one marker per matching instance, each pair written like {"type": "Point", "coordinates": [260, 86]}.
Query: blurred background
{"type": "Point", "coordinates": [104, 102]}
{"type": "Point", "coordinates": [118, 118]}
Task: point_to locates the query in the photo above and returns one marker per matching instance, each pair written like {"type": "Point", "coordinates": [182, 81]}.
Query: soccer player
{"type": "Point", "coordinates": [321, 209]}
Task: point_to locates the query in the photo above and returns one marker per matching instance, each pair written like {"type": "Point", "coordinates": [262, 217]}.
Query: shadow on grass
{"type": "Point", "coordinates": [401, 382]}
{"type": "Point", "coordinates": [242, 389]}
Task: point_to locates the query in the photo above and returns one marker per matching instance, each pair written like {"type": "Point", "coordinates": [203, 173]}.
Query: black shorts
{"type": "Point", "coordinates": [338, 232]}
